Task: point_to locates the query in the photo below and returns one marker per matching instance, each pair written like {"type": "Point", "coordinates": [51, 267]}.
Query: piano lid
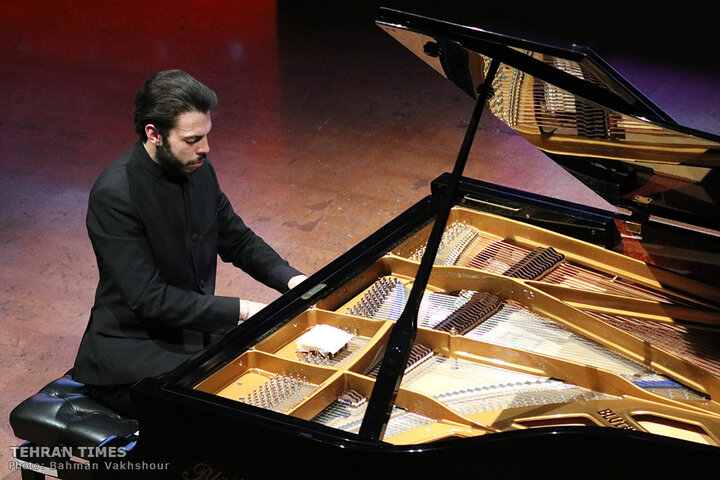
{"type": "Point", "coordinates": [575, 108]}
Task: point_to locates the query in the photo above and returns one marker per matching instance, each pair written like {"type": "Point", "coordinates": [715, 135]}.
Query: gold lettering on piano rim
{"type": "Point", "coordinates": [615, 420]}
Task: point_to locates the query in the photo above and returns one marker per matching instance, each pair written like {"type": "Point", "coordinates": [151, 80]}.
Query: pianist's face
{"type": "Point", "coordinates": [185, 147]}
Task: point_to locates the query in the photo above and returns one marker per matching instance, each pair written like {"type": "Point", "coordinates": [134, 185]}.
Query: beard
{"type": "Point", "coordinates": [170, 164]}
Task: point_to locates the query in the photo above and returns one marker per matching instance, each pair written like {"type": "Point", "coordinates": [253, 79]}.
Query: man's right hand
{"type": "Point", "coordinates": [249, 308]}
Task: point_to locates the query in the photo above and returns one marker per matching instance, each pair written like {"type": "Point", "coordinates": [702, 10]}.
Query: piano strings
{"type": "Point", "coordinates": [470, 388]}
{"type": "Point", "coordinates": [348, 418]}
{"type": "Point", "coordinates": [510, 324]}
{"type": "Point", "coordinates": [465, 246]}
{"type": "Point", "coordinates": [697, 344]}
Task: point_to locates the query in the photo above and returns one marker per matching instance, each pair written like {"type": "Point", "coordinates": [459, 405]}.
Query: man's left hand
{"type": "Point", "coordinates": [295, 281]}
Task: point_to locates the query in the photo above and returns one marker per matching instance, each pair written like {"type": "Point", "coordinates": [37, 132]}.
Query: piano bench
{"type": "Point", "coordinates": [65, 431]}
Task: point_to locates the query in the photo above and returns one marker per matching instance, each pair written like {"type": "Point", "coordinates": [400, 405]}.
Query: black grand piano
{"type": "Point", "coordinates": [485, 332]}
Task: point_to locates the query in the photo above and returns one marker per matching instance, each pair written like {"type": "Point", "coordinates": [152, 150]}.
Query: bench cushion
{"type": "Point", "coordinates": [62, 414]}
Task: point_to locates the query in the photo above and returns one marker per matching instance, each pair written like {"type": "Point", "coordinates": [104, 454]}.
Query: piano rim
{"type": "Point", "coordinates": [345, 442]}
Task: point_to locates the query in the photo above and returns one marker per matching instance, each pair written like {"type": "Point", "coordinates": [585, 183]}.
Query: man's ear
{"type": "Point", "coordinates": [153, 134]}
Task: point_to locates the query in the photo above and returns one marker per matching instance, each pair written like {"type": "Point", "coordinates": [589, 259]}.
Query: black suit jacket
{"type": "Point", "coordinates": [156, 241]}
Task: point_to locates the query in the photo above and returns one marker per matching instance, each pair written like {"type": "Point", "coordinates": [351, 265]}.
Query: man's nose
{"type": "Point", "coordinates": [203, 146]}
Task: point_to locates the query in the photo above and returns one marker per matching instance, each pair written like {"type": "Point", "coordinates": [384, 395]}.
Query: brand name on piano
{"type": "Point", "coordinates": [203, 471]}
{"type": "Point", "coordinates": [615, 420]}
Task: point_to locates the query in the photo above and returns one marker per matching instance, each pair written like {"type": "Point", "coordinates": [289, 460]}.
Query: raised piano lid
{"type": "Point", "coordinates": [574, 107]}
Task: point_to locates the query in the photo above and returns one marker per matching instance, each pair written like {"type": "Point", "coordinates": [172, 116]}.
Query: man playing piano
{"type": "Point", "coordinates": [157, 220]}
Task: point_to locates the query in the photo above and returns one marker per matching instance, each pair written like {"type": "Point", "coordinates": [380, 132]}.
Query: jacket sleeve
{"type": "Point", "coordinates": [127, 269]}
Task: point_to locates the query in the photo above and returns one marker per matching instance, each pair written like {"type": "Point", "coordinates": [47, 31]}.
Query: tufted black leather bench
{"type": "Point", "coordinates": [64, 430]}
